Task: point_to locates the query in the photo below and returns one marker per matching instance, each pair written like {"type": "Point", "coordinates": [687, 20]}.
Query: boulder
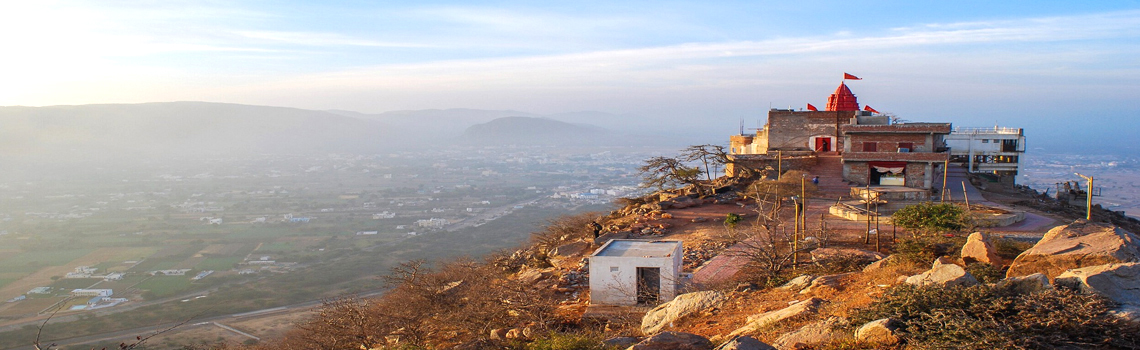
{"type": "Point", "coordinates": [1077, 245]}
{"type": "Point", "coordinates": [619, 342]}
{"type": "Point", "coordinates": [498, 334]}
{"type": "Point", "coordinates": [1117, 282]}
{"type": "Point", "coordinates": [822, 255]}
{"type": "Point", "coordinates": [943, 274]}
{"type": "Point", "coordinates": [515, 333]}
{"type": "Point", "coordinates": [756, 322]}
{"type": "Point", "coordinates": [979, 248]}
{"type": "Point", "coordinates": [881, 331]}
{"type": "Point", "coordinates": [877, 265]}
{"type": "Point", "coordinates": [665, 314]}
{"type": "Point", "coordinates": [570, 249]}
{"type": "Point", "coordinates": [810, 335]}
{"type": "Point", "coordinates": [530, 276]}
{"type": "Point", "coordinates": [798, 283]}
{"type": "Point", "coordinates": [1026, 284]}
{"type": "Point", "coordinates": [829, 281]}
{"type": "Point", "coordinates": [744, 343]}
{"type": "Point", "coordinates": [673, 341]}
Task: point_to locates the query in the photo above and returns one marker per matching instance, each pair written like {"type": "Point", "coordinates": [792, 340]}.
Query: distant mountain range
{"type": "Point", "coordinates": [178, 129]}
{"type": "Point", "coordinates": [536, 131]}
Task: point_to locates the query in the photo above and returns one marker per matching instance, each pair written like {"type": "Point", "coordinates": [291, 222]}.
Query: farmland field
{"type": "Point", "coordinates": [218, 264]}
{"type": "Point", "coordinates": [162, 286]}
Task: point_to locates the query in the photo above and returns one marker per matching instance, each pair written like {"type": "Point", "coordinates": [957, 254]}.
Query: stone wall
{"type": "Point", "coordinates": [791, 130]}
{"type": "Point", "coordinates": [761, 162]}
{"type": "Point", "coordinates": [889, 142]}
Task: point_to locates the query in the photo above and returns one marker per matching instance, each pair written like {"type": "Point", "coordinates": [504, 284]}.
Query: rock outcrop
{"type": "Point", "coordinates": [881, 331]}
{"type": "Point", "coordinates": [823, 255]}
{"type": "Point", "coordinates": [812, 334]}
{"type": "Point", "coordinates": [744, 343]}
{"type": "Point", "coordinates": [1077, 245]}
{"type": "Point", "coordinates": [1117, 282]}
{"type": "Point", "coordinates": [620, 342]}
{"type": "Point", "coordinates": [673, 341]}
{"type": "Point", "coordinates": [979, 248]}
{"type": "Point", "coordinates": [1026, 284]}
{"type": "Point", "coordinates": [943, 274]}
{"type": "Point", "coordinates": [756, 322]}
{"type": "Point", "coordinates": [665, 314]}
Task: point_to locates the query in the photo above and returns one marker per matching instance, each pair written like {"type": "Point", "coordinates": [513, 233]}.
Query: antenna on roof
{"type": "Point", "coordinates": [742, 125]}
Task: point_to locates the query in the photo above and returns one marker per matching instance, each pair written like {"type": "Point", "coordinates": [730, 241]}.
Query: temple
{"type": "Point", "coordinates": [866, 148]}
{"type": "Point", "coordinates": [870, 149]}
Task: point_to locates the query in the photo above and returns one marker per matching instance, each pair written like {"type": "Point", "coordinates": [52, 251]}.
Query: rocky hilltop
{"type": "Point", "coordinates": [746, 286]}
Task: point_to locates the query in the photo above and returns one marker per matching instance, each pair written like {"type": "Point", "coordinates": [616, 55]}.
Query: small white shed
{"type": "Point", "coordinates": [631, 272]}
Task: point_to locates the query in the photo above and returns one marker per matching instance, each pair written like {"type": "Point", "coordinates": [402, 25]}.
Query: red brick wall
{"type": "Point", "coordinates": [889, 142]}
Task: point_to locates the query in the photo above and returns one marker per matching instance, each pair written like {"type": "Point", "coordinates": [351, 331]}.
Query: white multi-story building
{"type": "Point", "coordinates": [995, 150]}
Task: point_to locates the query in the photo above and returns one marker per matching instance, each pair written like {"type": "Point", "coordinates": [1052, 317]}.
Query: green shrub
{"type": "Point", "coordinates": [1009, 249]}
{"type": "Point", "coordinates": [567, 341]}
{"type": "Point", "coordinates": [985, 273]}
{"type": "Point", "coordinates": [930, 218]}
{"type": "Point", "coordinates": [924, 249]}
{"type": "Point", "coordinates": [983, 317]}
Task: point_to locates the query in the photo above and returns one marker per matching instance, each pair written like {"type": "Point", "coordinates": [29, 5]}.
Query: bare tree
{"type": "Point", "coordinates": [666, 172]}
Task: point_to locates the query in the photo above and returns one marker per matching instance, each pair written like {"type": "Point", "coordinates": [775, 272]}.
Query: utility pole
{"type": "Point", "coordinates": [1088, 197]}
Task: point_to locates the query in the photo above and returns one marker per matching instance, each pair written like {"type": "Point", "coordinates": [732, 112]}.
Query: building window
{"type": "Point", "coordinates": [613, 269]}
{"type": "Point", "coordinates": [985, 140]}
{"type": "Point", "coordinates": [870, 147]}
{"type": "Point", "coordinates": [909, 146]}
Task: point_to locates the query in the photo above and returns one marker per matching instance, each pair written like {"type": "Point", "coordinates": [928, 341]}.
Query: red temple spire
{"type": "Point", "coordinates": [842, 100]}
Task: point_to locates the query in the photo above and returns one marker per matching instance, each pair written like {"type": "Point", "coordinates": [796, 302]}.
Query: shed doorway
{"type": "Point", "coordinates": [648, 285]}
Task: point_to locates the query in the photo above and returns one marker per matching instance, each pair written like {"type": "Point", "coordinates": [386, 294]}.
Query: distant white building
{"type": "Point", "coordinates": [366, 233]}
{"type": "Point", "coordinates": [631, 272]}
{"type": "Point", "coordinates": [91, 292]}
{"type": "Point", "coordinates": [432, 223]}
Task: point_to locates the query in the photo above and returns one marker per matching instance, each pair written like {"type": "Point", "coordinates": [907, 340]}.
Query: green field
{"type": "Point", "coordinates": [218, 264]}
{"type": "Point", "coordinates": [35, 260]}
{"type": "Point", "coordinates": [74, 283]}
{"type": "Point", "coordinates": [162, 286]}
{"type": "Point", "coordinates": [4, 281]}
{"type": "Point", "coordinates": [276, 247]}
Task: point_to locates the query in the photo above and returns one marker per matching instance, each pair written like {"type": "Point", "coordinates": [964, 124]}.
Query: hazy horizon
{"type": "Point", "coordinates": [1064, 72]}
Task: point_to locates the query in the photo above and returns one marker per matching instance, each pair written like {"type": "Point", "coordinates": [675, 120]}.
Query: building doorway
{"type": "Point", "coordinates": [648, 285]}
{"type": "Point", "coordinates": [823, 143]}
{"type": "Point", "coordinates": [887, 173]}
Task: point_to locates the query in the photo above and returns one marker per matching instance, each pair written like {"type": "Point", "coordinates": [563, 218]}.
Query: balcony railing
{"type": "Point", "coordinates": [994, 130]}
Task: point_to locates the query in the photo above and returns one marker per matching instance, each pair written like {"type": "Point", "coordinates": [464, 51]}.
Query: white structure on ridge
{"type": "Point", "coordinates": [631, 272]}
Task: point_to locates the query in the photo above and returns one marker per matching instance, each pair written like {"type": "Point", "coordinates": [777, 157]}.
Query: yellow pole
{"type": "Point", "coordinates": [1088, 197]}
{"type": "Point", "coordinates": [945, 174]}
{"type": "Point", "coordinates": [779, 164]}
{"type": "Point", "coordinates": [966, 195]}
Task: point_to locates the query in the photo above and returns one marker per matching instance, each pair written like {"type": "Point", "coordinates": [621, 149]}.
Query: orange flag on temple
{"type": "Point", "coordinates": [869, 109]}
{"type": "Point", "coordinates": [851, 77]}
{"type": "Point", "coordinates": [812, 108]}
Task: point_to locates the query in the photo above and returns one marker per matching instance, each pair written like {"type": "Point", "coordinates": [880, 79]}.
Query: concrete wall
{"type": "Point", "coordinates": [608, 287]}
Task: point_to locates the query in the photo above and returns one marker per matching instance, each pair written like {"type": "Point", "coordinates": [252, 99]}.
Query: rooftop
{"type": "Point", "coordinates": [994, 130]}
{"type": "Point", "coordinates": [638, 248]}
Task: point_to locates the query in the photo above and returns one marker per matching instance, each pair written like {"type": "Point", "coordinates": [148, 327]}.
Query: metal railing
{"type": "Point", "coordinates": [994, 130]}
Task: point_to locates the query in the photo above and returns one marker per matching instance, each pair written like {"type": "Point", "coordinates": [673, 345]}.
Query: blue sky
{"type": "Point", "coordinates": [973, 63]}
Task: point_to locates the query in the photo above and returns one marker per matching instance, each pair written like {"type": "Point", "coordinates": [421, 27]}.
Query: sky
{"type": "Point", "coordinates": [1061, 69]}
